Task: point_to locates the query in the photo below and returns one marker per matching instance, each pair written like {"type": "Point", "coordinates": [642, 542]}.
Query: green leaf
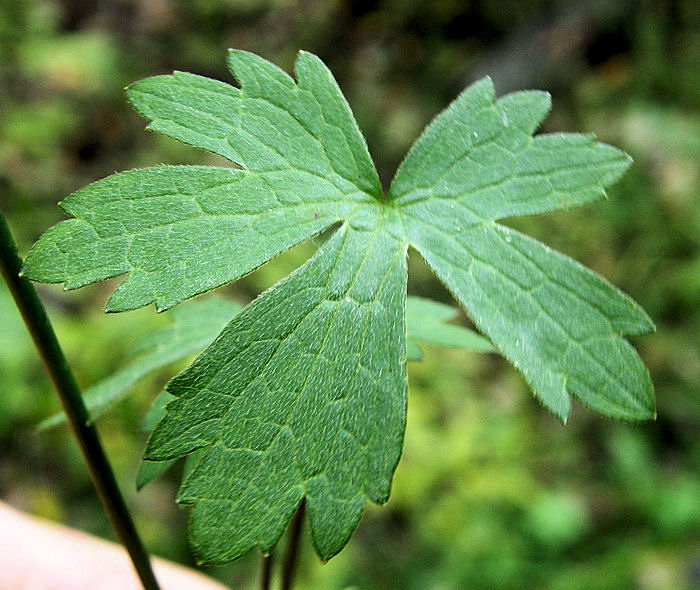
{"type": "Point", "coordinates": [306, 167]}
{"type": "Point", "coordinates": [193, 327]}
{"type": "Point", "coordinates": [413, 351]}
{"type": "Point", "coordinates": [196, 324]}
{"type": "Point", "coordinates": [303, 394]}
{"type": "Point", "coordinates": [151, 470]}
{"type": "Point", "coordinates": [323, 354]}
{"type": "Point", "coordinates": [425, 322]}
{"type": "Point", "coordinates": [559, 323]}
{"type": "Point", "coordinates": [199, 323]}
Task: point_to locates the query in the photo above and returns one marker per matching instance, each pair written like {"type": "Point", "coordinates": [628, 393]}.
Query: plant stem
{"type": "Point", "coordinates": [265, 571]}
{"type": "Point", "coordinates": [290, 558]}
{"type": "Point", "coordinates": [39, 326]}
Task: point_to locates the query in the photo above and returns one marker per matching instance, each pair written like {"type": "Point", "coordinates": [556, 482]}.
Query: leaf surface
{"type": "Point", "coordinates": [562, 325]}
{"type": "Point", "coordinates": [303, 394]}
{"type": "Point", "coordinates": [196, 324]}
{"type": "Point", "coordinates": [193, 327]}
{"type": "Point", "coordinates": [152, 470]}
{"type": "Point", "coordinates": [175, 229]}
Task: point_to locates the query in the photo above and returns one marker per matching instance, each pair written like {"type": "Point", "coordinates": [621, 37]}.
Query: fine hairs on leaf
{"type": "Point", "coordinates": [195, 325]}
{"type": "Point", "coordinates": [302, 396]}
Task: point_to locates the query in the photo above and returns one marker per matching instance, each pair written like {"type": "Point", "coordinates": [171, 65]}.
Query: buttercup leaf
{"type": "Point", "coordinates": [193, 327]}
{"type": "Point", "coordinates": [559, 323]}
{"type": "Point", "coordinates": [303, 393]}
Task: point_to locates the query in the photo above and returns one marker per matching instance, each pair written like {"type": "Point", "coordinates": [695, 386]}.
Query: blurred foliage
{"type": "Point", "coordinates": [491, 491]}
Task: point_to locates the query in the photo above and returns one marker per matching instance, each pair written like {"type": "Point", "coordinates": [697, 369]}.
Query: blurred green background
{"type": "Point", "coordinates": [492, 492]}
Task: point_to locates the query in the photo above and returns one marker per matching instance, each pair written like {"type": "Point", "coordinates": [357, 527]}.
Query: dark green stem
{"type": "Point", "coordinates": [42, 333]}
{"type": "Point", "coordinates": [290, 558]}
{"type": "Point", "coordinates": [265, 571]}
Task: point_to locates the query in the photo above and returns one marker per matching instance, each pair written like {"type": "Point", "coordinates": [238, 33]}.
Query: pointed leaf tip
{"type": "Point", "coordinates": [303, 394]}
{"type": "Point", "coordinates": [560, 324]}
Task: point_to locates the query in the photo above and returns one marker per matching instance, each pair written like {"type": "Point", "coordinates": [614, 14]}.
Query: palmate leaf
{"type": "Point", "coordinates": [195, 325]}
{"type": "Point", "coordinates": [558, 322]}
{"type": "Point", "coordinates": [303, 394]}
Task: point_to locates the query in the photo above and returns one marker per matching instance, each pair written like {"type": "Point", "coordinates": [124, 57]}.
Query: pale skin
{"type": "Point", "coordinates": [36, 554]}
